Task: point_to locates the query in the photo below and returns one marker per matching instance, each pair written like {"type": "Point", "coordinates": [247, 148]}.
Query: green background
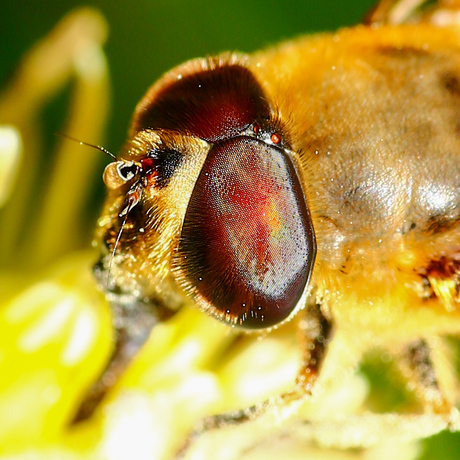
{"type": "Point", "coordinates": [148, 37]}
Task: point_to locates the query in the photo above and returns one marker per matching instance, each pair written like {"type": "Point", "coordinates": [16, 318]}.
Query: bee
{"type": "Point", "coordinates": [319, 181]}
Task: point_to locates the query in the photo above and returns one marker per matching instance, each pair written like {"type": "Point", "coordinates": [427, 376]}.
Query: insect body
{"type": "Point", "coordinates": [319, 179]}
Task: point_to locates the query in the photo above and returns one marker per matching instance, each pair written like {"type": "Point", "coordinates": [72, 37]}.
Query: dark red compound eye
{"type": "Point", "coordinates": [247, 245]}
{"type": "Point", "coordinates": [212, 104]}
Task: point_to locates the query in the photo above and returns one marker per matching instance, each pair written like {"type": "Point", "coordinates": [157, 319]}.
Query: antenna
{"type": "Point", "coordinates": [97, 147]}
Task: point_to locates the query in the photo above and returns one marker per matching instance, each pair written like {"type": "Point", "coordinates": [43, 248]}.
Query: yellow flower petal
{"type": "Point", "coordinates": [10, 156]}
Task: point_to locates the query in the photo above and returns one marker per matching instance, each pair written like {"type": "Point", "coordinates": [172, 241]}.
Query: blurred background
{"type": "Point", "coordinates": [149, 37]}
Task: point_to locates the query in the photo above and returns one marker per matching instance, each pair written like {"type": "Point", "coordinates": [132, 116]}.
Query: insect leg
{"type": "Point", "coordinates": [133, 322]}
{"type": "Point", "coordinates": [315, 334]}
{"type": "Point", "coordinates": [394, 12]}
{"type": "Point", "coordinates": [426, 367]}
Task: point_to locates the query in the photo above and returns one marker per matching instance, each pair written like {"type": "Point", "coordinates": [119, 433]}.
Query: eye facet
{"type": "Point", "coordinates": [247, 245]}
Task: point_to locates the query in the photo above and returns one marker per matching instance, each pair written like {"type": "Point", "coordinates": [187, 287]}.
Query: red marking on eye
{"type": "Point", "coordinates": [276, 138]}
{"type": "Point", "coordinates": [256, 129]}
{"type": "Point", "coordinates": [260, 215]}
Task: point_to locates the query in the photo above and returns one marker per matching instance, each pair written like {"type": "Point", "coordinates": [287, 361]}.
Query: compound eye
{"type": "Point", "coordinates": [247, 245]}
{"type": "Point", "coordinates": [212, 103]}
